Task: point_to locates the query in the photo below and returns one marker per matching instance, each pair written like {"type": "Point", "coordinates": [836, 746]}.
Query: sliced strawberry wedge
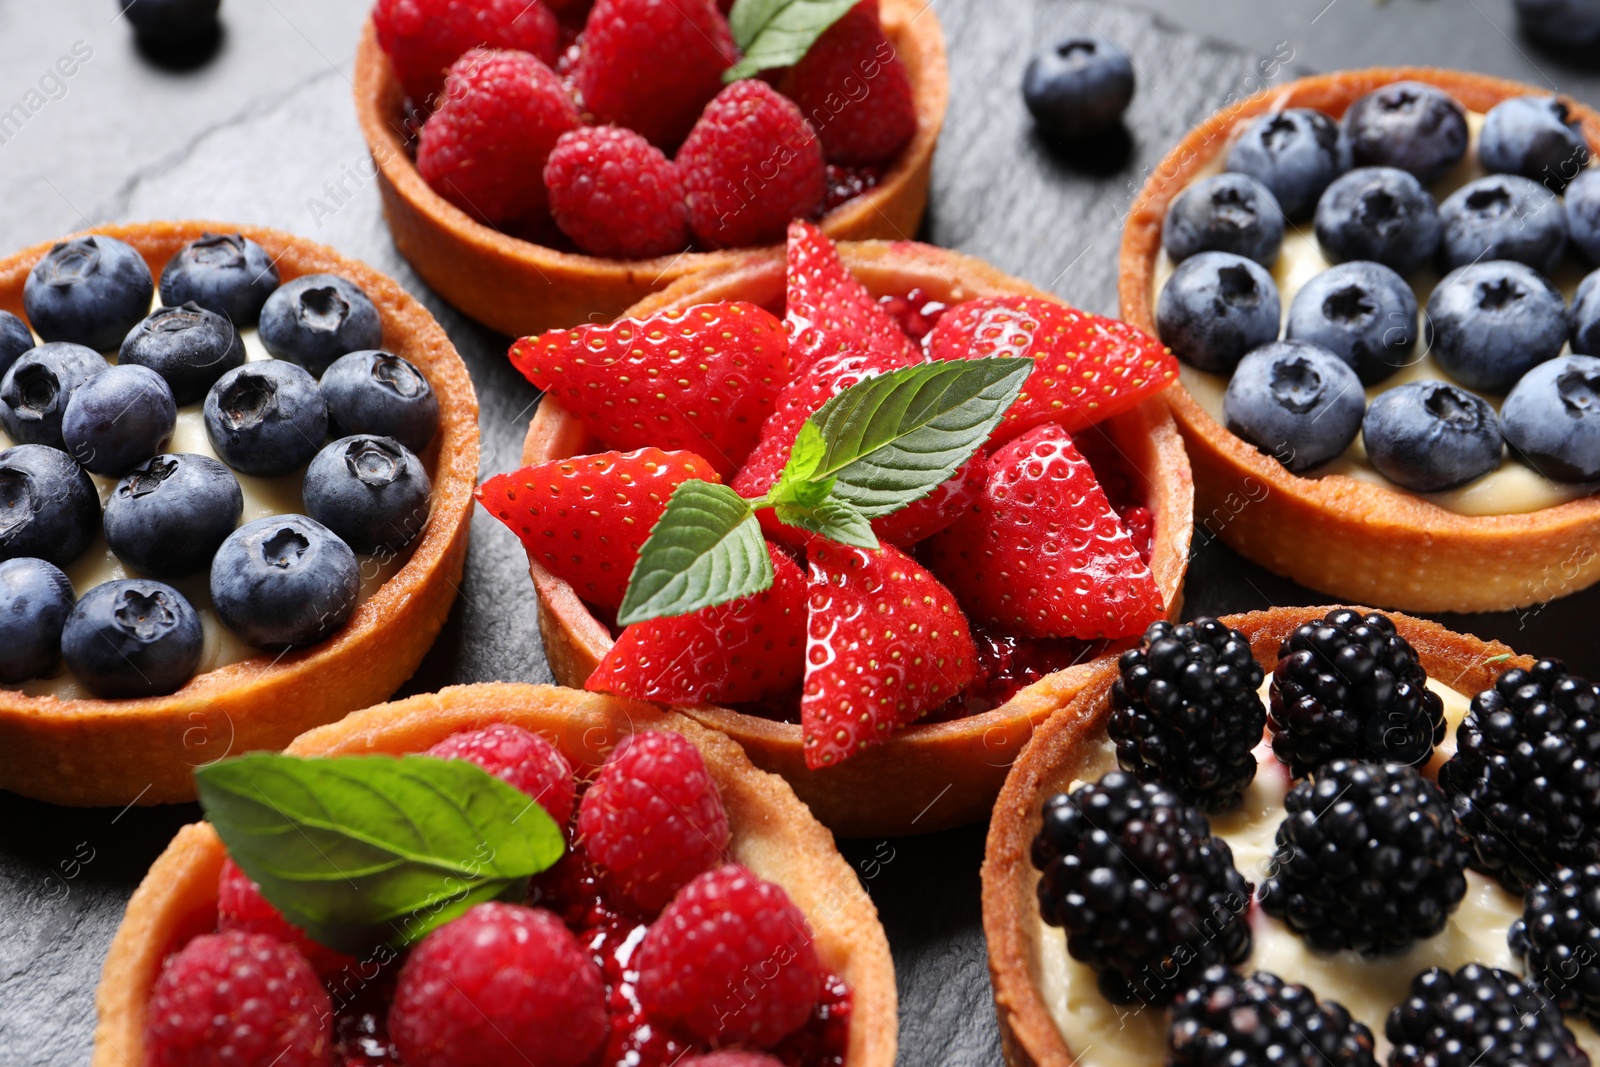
{"type": "Point", "coordinates": [585, 518]}
{"type": "Point", "coordinates": [1088, 368]}
{"type": "Point", "coordinates": [923, 518]}
{"type": "Point", "coordinates": [701, 379]}
{"type": "Point", "coordinates": [1042, 553]}
{"type": "Point", "coordinates": [828, 311]}
{"type": "Point", "coordinates": [885, 644]}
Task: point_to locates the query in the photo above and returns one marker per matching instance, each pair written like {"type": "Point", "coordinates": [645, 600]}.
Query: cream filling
{"type": "Point", "coordinates": [1513, 488]}
{"type": "Point", "coordinates": [1103, 1034]}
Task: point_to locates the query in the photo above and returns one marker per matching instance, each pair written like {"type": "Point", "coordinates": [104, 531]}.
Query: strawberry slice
{"type": "Point", "coordinates": [701, 379]}
{"type": "Point", "coordinates": [1088, 368]}
{"type": "Point", "coordinates": [829, 312]}
{"type": "Point", "coordinates": [923, 518]}
{"type": "Point", "coordinates": [585, 518]}
{"type": "Point", "coordinates": [744, 650]}
{"type": "Point", "coordinates": [885, 644]}
{"type": "Point", "coordinates": [1042, 553]}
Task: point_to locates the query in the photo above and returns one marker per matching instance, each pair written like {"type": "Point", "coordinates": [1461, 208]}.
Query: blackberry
{"type": "Point", "coordinates": [1186, 712]}
{"type": "Point", "coordinates": [1368, 858]}
{"type": "Point", "coordinates": [1146, 895]}
{"type": "Point", "coordinates": [1525, 779]}
{"type": "Point", "coordinates": [1558, 937]}
{"type": "Point", "coordinates": [1350, 687]}
{"type": "Point", "coordinates": [1479, 1017]}
{"type": "Point", "coordinates": [1260, 1021]}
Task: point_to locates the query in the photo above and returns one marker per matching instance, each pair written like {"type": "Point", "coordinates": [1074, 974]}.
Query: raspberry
{"type": "Point", "coordinates": [526, 760]}
{"type": "Point", "coordinates": [731, 960]}
{"type": "Point", "coordinates": [615, 194]}
{"type": "Point", "coordinates": [484, 147]}
{"type": "Point", "coordinates": [502, 984]}
{"type": "Point", "coordinates": [653, 818]}
{"type": "Point", "coordinates": [423, 37]}
{"type": "Point", "coordinates": [853, 88]}
{"type": "Point", "coordinates": [750, 165]}
{"type": "Point", "coordinates": [651, 65]}
{"type": "Point", "coordinates": [732, 1058]}
{"type": "Point", "coordinates": [237, 999]}
{"type": "Point", "coordinates": [241, 907]}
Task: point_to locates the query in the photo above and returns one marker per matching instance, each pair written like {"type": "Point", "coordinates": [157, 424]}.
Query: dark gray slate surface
{"type": "Point", "coordinates": [264, 133]}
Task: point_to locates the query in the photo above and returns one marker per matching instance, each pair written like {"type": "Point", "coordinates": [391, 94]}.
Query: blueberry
{"type": "Point", "coordinates": [378, 393]}
{"type": "Point", "coordinates": [266, 418]}
{"type": "Point", "coordinates": [132, 638]}
{"type": "Point", "coordinates": [172, 21]}
{"type": "Point", "coordinates": [1503, 216]}
{"type": "Point", "coordinates": [1560, 22]}
{"type": "Point", "coordinates": [187, 345]}
{"type": "Point", "coordinates": [222, 272]}
{"type": "Point", "coordinates": [1362, 312]}
{"type": "Point", "coordinates": [48, 506]}
{"type": "Point", "coordinates": [1295, 153]}
{"type": "Point", "coordinates": [168, 516]}
{"type": "Point", "coordinates": [35, 599]}
{"type": "Point", "coordinates": [89, 290]}
{"type": "Point", "coordinates": [15, 339]}
{"type": "Point", "coordinates": [1216, 307]}
{"type": "Point", "coordinates": [317, 318]}
{"type": "Point", "coordinates": [1552, 419]}
{"type": "Point", "coordinates": [284, 582]}
{"type": "Point", "coordinates": [1078, 86]}
{"type": "Point", "coordinates": [371, 491]}
{"type": "Point", "coordinates": [1535, 137]}
{"type": "Point", "coordinates": [120, 417]}
{"type": "Point", "coordinates": [1410, 125]}
{"type": "Point", "coordinates": [1586, 316]}
{"type": "Point", "coordinates": [1583, 213]}
{"type": "Point", "coordinates": [1296, 401]}
{"type": "Point", "coordinates": [1429, 435]}
{"type": "Point", "coordinates": [1381, 214]}
{"type": "Point", "coordinates": [1224, 213]}
{"type": "Point", "coordinates": [34, 393]}
{"type": "Point", "coordinates": [1489, 323]}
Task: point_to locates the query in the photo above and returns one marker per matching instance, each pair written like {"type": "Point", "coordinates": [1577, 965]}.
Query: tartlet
{"type": "Point", "coordinates": [519, 288]}
{"type": "Point", "coordinates": [772, 835]}
{"type": "Point", "coordinates": [1346, 537]}
{"type": "Point", "coordinates": [929, 776]}
{"type": "Point", "coordinates": [114, 752]}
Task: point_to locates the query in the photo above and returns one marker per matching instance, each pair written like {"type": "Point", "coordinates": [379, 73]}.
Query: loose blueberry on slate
{"type": "Point", "coordinates": [1296, 401]}
{"type": "Point", "coordinates": [378, 393]}
{"type": "Point", "coordinates": [266, 418]}
{"type": "Point", "coordinates": [35, 599]}
{"type": "Point", "coordinates": [1552, 419]}
{"type": "Point", "coordinates": [317, 318]}
{"type": "Point", "coordinates": [371, 491]}
{"type": "Point", "coordinates": [1586, 317]}
{"type": "Point", "coordinates": [1533, 136]}
{"type": "Point", "coordinates": [89, 290]}
{"type": "Point", "coordinates": [222, 272]}
{"type": "Point", "coordinates": [1078, 86]}
{"type": "Point", "coordinates": [1224, 213]}
{"type": "Point", "coordinates": [117, 419]}
{"type": "Point", "coordinates": [188, 345]}
{"type": "Point", "coordinates": [168, 516]}
{"type": "Point", "coordinates": [1561, 22]}
{"type": "Point", "coordinates": [48, 507]}
{"type": "Point", "coordinates": [1489, 323]}
{"type": "Point", "coordinates": [1583, 213]}
{"type": "Point", "coordinates": [1295, 153]}
{"type": "Point", "coordinates": [1378, 213]}
{"type": "Point", "coordinates": [1216, 307]}
{"type": "Point", "coordinates": [1410, 125]}
{"type": "Point", "coordinates": [172, 21]}
{"type": "Point", "coordinates": [1503, 216]}
{"type": "Point", "coordinates": [1427, 436]}
{"type": "Point", "coordinates": [34, 393]}
{"type": "Point", "coordinates": [1362, 312]}
{"type": "Point", "coordinates": [15, 339]}
{"type": "Point", "coordinates": [133, 637]}
{"type": "Point", "coordinates": [284, 582]}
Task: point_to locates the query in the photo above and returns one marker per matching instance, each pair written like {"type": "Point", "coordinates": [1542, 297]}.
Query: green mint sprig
{"type": "Point", "coordinates": [871, 450]}
{"type": "Point", "coordinates": [777, 33]}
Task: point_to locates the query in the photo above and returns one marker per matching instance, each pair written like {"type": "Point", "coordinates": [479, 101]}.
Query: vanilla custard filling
{"type": "Point", "coordinates": [1513, 488]}
{"type": "Point", "coordinates": [1103, 1034]}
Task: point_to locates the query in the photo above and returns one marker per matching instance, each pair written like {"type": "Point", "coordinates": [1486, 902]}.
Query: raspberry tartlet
{"type": "Point", "coordinates": [613, 940]}
{"type": "Point", "coordinates": [271, 555]}
{"type": "Point", "coordinates": [525, 276]}
{"type": "Point", "coordinates": [1446, 228]}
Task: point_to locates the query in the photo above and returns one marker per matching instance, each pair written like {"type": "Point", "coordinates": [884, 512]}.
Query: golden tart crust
{"type": "Point", "coordinates": [1071, 741]}
{"type": "Point", "coordinates": [113, 752]}
{"type": "Point", "coordinates": [1346, 537]}
{"type": "Point", "coordinates": [931, 776]}
{"type": "Point", "coordinates": [772, 834]}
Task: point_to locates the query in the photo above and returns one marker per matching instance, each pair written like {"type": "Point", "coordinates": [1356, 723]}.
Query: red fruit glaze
{"type": "Point", "coordinates": [615, 194]}
{"type": "Point", "coordinates": [916, 313]}
{"type": "Point", "coordinates": [732, 1057]}
{"type": "Point", "coordinates": [523, 759]}
{"type": "Point", "coordinates": [423, 37]}
{"type": "Point", "coordinates": [854, 89]}
{"type": "Point", "coordinates": [241, 907]}
{"type": "Point", "coordinates": [827, 312]}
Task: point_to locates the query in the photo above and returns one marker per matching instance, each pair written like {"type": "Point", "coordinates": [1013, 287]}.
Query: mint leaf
{"type": "Point", "coordinates": [363, 849]}
{"type": "Point", "coordinates": [777, 33]}
{"type": "Point", "coordinates": [705, 549]}
{"type": "Point", "coordinates": [833, 518]}
{"type": "Point", "coordinates": [804, 456]}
